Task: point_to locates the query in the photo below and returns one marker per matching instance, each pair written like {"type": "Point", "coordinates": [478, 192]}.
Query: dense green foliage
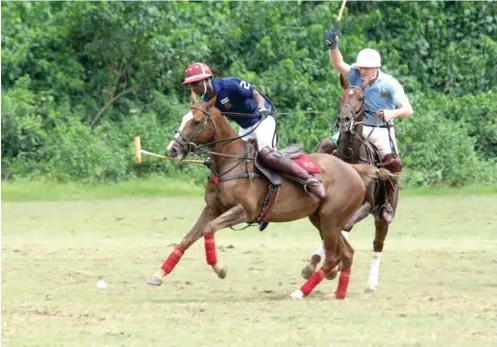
{"type": "Point", "coordinates": [81, 79]}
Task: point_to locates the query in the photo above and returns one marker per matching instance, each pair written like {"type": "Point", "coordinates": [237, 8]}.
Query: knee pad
{"type": "Point", "coordinates": [393, 164]}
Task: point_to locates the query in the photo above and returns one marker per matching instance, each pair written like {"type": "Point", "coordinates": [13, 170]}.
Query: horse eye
{"type": "Point", "coordinates": [196, 121]}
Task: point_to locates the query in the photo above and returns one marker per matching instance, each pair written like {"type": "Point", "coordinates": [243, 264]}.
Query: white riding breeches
{"type": "Point", "coordinates": [263, 132]}
{"type": "Point", "coordinates": [379, 138]}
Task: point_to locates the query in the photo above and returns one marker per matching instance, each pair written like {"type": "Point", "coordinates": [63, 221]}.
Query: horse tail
{"type": "Point", "coordinates": [369, 172]}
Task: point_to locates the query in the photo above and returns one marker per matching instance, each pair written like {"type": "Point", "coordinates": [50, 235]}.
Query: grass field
{"type": "Point", "coordinates": [438, 281]}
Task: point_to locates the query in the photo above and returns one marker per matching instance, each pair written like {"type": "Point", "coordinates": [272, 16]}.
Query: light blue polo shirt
{"type": "Point", "coordinates": [386, 93]}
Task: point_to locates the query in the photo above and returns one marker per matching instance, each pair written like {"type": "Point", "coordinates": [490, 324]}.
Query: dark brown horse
{"type": "Point", "coordinates": [233, 197]}
{"type": "Point", "coordinates": [354, 148]}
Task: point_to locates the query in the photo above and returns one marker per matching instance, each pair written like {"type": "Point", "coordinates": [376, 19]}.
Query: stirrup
{"type": "Point", "coordinates": [308, 183]}
{"type": "Point", "coordinates": [387, 208]}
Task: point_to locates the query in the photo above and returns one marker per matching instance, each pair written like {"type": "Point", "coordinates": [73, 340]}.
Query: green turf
{"type": "Point", "coordinates": [153, 186]}
{"type": "Point", "coordinates": [161, 186]}
{"type": "Point", "coordinates": [437, 285]}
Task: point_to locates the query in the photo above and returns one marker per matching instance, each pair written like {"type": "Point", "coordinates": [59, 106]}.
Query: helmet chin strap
{"type": "Point", "coordinates": [205, 89]}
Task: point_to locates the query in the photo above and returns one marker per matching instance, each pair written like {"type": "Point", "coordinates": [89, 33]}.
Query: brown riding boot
{"type": "Point", "coordinates": [277, 161]}
{"type": "Point", "coordinates": [386, 211]}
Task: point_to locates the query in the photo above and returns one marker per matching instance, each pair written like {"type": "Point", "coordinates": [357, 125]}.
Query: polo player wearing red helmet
{"type": "Point", "coordinates": [239, 97]}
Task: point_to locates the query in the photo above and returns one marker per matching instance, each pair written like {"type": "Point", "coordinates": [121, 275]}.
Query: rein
{"type": "Point", "coordinates": [239, 159]}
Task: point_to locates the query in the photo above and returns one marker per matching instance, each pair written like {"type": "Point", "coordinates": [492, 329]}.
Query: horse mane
{"type": "Point", "coordinates": [221, 121]}
{"type": "Point", "coordinates": [343, 82]}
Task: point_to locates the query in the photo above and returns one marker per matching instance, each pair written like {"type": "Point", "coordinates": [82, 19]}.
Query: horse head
{"type": "Point", "coordinates": [351, 107]}
{"type": "Point", "coordinates": [197, 128]}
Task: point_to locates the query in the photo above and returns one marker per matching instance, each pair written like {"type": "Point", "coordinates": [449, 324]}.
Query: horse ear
{"type": "Point", "coordinates": [193, 98]}
{"type": "Point", "coordinates": [343, 82]}
{"type": "Point", "coordinates": [211, 102]}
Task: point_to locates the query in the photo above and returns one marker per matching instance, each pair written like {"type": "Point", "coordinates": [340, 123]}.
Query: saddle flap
{"type": "Point", "coordinates": [273, 177]}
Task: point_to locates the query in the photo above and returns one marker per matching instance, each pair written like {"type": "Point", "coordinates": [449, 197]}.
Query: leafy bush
{"type": "Point", "coordinates": [81, 79]}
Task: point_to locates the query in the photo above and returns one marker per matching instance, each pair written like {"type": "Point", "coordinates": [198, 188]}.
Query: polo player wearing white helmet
{"type": "Point", "coordinates": [385, 101]}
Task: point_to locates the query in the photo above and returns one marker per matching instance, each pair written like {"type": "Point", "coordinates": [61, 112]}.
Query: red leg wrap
{"type": "Point", "coordinates": [210, 249]}
{"type": "Point", "coordinates": [312, 282]}
{"type": "Point", "coordinates": [172, 260]}
{"type": "Point", "coordinates": [343, 283]}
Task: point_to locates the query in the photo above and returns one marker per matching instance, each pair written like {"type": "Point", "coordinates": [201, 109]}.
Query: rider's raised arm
{"type": "Point", "coordinates": [336, 57]}
{"type": "Point", "coordinates": [336, 60]}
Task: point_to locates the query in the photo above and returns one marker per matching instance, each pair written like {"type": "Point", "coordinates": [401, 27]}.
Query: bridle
{"type": "Point", "coordinates": [355, 114]}
{"type": "Point", "coordinates": [189, 146]}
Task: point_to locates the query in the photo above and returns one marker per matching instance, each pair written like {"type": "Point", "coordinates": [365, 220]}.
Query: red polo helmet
{"type": "Point", "coordinates": [196, 72]}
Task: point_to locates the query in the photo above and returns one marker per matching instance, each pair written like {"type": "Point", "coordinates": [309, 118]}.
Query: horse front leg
{"type": "Point", "coordinates": [193, 235]}
{"type": "Point", "coordinates": [374, 270]}
{"type": "Point", "coordinates": [206, 226]}
{"type": "Point", "coordinates": [233, 216]}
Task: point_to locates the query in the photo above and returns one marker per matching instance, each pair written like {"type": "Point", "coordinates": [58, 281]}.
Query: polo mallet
{"type": "Point", "coordinates": [339, 18]}
{"type": "Point", "coordinates": [139, 151]}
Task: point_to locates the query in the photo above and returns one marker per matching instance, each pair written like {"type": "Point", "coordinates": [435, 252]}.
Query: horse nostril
{"type": "Point", "coordinates": [173, 152]}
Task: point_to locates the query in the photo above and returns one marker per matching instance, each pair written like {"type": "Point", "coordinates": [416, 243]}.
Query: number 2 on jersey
{"type": "Point", "coordinates": [245, 84]}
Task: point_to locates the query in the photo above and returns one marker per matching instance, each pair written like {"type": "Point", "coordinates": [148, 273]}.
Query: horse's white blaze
{"type": "Point", "coordinates": [374, 272]}
{"type": "Point", "coordinates": [170, 145]}
{"type": "Point", "coordinates": [185, 120]}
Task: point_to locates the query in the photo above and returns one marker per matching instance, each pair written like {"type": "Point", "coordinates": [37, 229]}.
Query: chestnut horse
{"type": "Point", "coordinates": [233, 196]}
{"type": "Point", "coordinates": [354, 148]}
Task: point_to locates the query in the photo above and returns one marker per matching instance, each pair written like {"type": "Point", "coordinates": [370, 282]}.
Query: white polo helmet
{"type": "Point", "coordinates": [368, 57]}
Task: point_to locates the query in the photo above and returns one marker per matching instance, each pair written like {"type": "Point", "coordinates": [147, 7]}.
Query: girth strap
{"type": "Point", "coordinates": [224, 178]}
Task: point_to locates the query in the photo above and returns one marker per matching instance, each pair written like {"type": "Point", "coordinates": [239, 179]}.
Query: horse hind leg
{"type": "Point", "coordinates": [331, 237]}
{"type": "Point", "coordinates": [316, 258]}
{"type": "Point", "coordinates": [347, 257]}
{"type": "Point", "coordinates": [318, 254]}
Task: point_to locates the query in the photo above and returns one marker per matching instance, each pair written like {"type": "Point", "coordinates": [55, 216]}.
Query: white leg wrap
{"type": "Point", "coordinates": [320, 250]}
{"type": "Point", "coordinates": [345, 234]}
{"type": "Point", "coordinates": [374, 271]}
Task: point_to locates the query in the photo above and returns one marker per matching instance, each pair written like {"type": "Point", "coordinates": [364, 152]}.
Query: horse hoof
{"type": "Point", "coordinates": [154, 281]}
{"type": "Point", "coordinates": [339, 296]}
{"type": "Point", "coordinates": [222, 272]}
{"type": "Point", "coordinates": [308, 271]}
{"type": "Point", "coordinates": [297, 295]}
{"type": "Point", "coordinates": [332, 275]}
